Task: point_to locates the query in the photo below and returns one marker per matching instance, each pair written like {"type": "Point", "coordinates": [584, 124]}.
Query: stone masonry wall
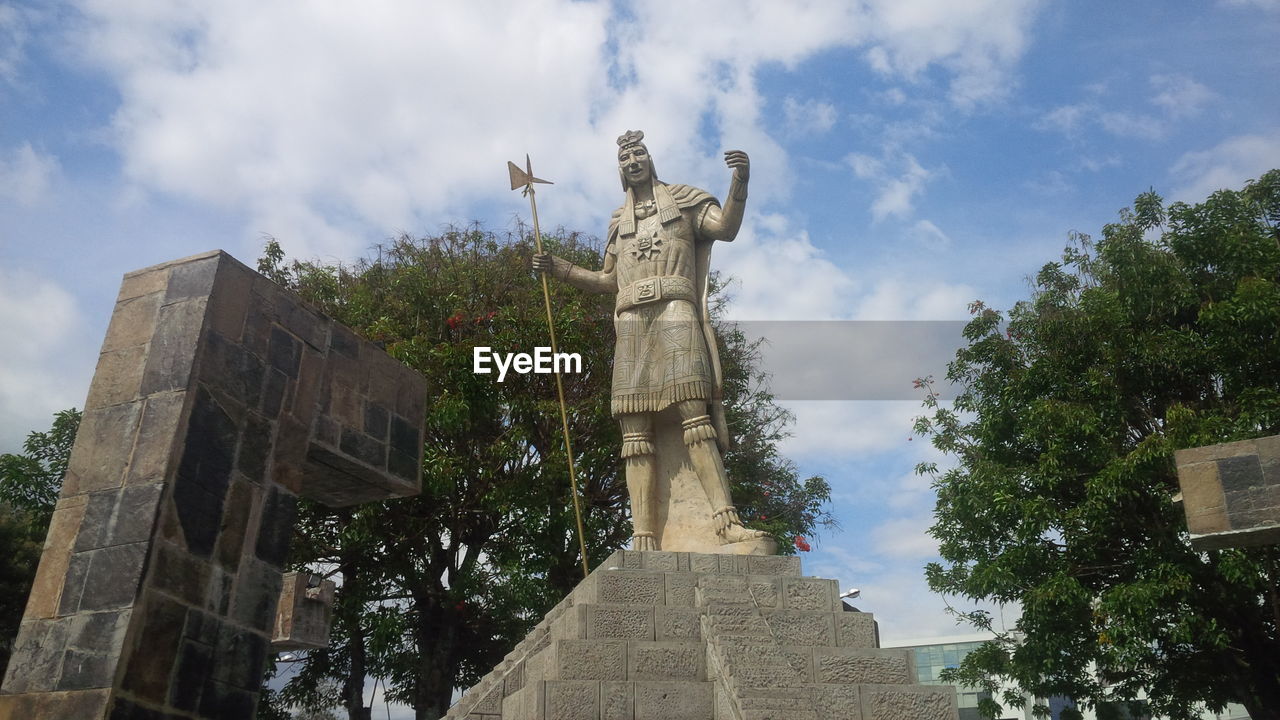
{"type": "Point", "coordinates": [1231, 492]}
{"type": "Point", "coordinates": [219, 399]}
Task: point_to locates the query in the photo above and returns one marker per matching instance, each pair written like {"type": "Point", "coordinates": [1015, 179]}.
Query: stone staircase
{"type": "Point", "coordinates": [692, 636]}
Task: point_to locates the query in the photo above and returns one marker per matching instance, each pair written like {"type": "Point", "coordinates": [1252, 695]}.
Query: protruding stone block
{"type": "Point", "coordinates": [617, 701]}
{"type": "Point", "coordinates": [666, 661]}
{"type": "Point", "coordinates": [856, 630]}
{"type": "Point", "coordinates": [673, 700]}
{"type": "Point", "coordinates": [918, 702]}
{"type": "Point", "coordinates": [810, 594]}
{"type": "Point", "coordinates": [678, 623]}
{"type": "Point", "coordinates": [303, 613]}
{"type": "Point", "coordinates": [631, 622]}
{"type": "Point", "coordinates": [851, 666]}
{"type": "Point", "coordinates": [1231, 493]}
{"type": "Point", "coordinates": [630, 586]}
{"type": "Point", "coordinates": [572, 700]}
{"type": "Point", "coordinates": [803, 627]}
{"type": "Point", "coordinates": [586, 660]}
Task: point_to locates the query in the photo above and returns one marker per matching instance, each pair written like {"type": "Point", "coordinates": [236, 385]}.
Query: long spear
{"type": "Point", "coordinates": [525, 179]}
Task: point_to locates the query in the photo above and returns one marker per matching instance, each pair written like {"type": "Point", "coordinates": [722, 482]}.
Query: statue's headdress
{"type": "Point", "coordinates": [629, 139]}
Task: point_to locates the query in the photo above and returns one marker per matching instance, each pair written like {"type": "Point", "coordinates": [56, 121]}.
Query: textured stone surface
{"type": "Point", "coordinates": [737, 652]}
{"type": "Point", "coordinates": [617, 701]}
{"type": "Point", "coordinates": [303, 613]}
{"type": "Point", "coordinates": [633, 622]}
{"type": "Point", "coordinates": [802, 627]}
{"type": "Point", "coordinates": [666, 661]}
{"type": "Point", "coordinates": [673, 700]}
{"type": "Point", "coordinates": [161, 570]}
{"type": "Point", "coordinates": [678, 623]}
{"type": "Point", "coordinates": [588, 660]}
{"type": "Point", "coordinates": [856, 630]}
{"type": "Point", "coordinates": [1231, 492]}
{"type": "Point", "coordinates": [573, 700]}
{"type": "Point", "coordinates": [880, 702]}
{"type": "Point", "coordinates": [648, 588]}
{"type": "Point", "coordinates": [850, 666]}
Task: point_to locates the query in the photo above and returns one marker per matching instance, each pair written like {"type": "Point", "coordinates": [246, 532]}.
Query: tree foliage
{"type": "Point", "coordinates": [437, 588]}
{"type": "Point", "coordinates": [1161, 336]}
{"type": "Point", "coordinates": [29, 484]}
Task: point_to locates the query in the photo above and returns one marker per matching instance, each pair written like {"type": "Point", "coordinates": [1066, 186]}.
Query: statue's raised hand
{"type": "Point", "coordinates": [741, 165]}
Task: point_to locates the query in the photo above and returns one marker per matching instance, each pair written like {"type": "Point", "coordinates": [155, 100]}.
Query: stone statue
{"type": "Point", "coordinates": [666, 365]}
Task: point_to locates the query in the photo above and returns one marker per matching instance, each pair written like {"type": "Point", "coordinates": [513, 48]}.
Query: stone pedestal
{"type": "Point", "coordinates": [693, 636]}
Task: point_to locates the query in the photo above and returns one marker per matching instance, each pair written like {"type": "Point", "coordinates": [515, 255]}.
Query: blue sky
{"type": "Point", "coordinates": [908, 156]}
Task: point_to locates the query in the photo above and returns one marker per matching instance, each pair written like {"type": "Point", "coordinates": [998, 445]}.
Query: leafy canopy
{"type": "Point", "coordinates": [1162, 336]}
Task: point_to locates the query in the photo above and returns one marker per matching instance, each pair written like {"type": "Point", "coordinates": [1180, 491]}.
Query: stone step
{"type": "Point", "coordinates": [604, 700]}
{"type": "Point", "coordinates": [680, 588]}
{"type": "Point", "coordinates": [617, 660]}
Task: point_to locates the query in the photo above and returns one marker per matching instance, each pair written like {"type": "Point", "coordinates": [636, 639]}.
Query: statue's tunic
{"type": "Point", "coordinates": [662, 355]}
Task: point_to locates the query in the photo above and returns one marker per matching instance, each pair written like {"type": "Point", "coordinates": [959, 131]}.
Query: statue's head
{"type": "Point", "coordinates": [635, 167]}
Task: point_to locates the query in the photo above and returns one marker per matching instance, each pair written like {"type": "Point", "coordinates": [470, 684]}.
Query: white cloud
{"type": "Point", "coordinates": [1066, 119]}
{"type": "Point", "coordinates": [1134, 125]}
{"type": "Point", "coordinates": [905, 538]}
{"type": "Point", "coordinates": [770, 261]}
{"type": "Point", "coordinates": [978, 42]}
{"type": "Point", "coordinates": [1225, 166]}
{"type": "Point", "coordinates": [897, 189]}
{"type": "Point", "coordinates": [1180, 95]}
{"type": "Point", "coordinates": [1268, 5]}
{"type": "Point", "coordinates": [13, 39]}
{"type": "Point", "coordinates": [901, 298]}
{"type": "Point", "coordinates": [829, 430]}
{"type": "Point", "coordinates": [334, 125]}
{"type": "Point", "coordinates": [39, 321]}
{"type": "Point", "coordinates": [26, 174]}
{"type": "Point", "coordinates": [929, 235]}
{"type": "Point", "coordinates": [809, 116]}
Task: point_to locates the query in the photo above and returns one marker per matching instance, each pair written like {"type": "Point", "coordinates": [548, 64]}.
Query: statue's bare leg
{"type": "Point", "coordinates": [642, 477]}
{"type": "Point", "coordinates": [704, 454]}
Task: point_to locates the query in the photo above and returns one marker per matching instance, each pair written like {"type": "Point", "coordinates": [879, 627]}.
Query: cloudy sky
{"type": "Point", "coordinates": [908, 156]}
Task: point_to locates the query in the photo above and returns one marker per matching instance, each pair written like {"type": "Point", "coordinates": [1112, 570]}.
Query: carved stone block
{"type": "Point", "coordinates": [856, 630]}
{"type": "Point", "coordinates": [628, 586]}
{"type": "Point", "coordinates": [666, 661]}
{"type": "Point", "coordinates": [810, 594]}
{"type": "Point", "coordinates": [802, 627]}
{"type": "Point", "coordinates": [572, 700]}
{"type": "Point", "coordinates": [678, 623]}
{"type": "Point", "coordinates": [918, 702]}
{"type": "Point", "coordinates": [851, 666]}
{"type": "Point", "coordinates": [632, 622]}
{"type": "Point", "coordinates": [617, 701]}
{"type": "Point", "coordinates": [673, 700]}
{"type": "Point", "coordinates": [587, 660]}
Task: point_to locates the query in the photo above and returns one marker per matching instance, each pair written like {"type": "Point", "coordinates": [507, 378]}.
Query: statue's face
{"type": "Point", "coordinates": [635, 166]}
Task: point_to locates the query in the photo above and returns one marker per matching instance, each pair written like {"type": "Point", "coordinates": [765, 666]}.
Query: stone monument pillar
{"type": "Point", "coordinates": [219, 399]}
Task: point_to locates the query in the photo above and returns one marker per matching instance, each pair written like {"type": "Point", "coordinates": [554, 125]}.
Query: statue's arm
{"type": "Point", "coordinates": [605, 281]}
{"type": "Point", "coordinates": [722, 223]}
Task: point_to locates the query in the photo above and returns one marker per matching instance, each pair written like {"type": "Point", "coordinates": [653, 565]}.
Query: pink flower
{"type": "Point", "coordinates": [801, 544]}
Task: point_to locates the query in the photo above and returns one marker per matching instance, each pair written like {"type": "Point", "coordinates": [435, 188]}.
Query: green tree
{"type": "Point", "coordinates": [1162, 336]}
{"type": "Point", "coordinates": [437, 588]}
{"type": "Point", "coordinates": [29, 484]}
